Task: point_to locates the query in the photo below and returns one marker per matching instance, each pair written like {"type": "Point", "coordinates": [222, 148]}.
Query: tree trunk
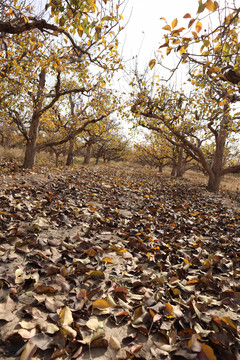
{"type": "Point", "coordinates": [69, 161]}
{"type": "Point", "coordinates": [30, 154]}
{"type": "Point", "coordinates": [180, 168]}
{"type": "Point", "coordinates": [214, 183]}
{"type": "Point", "coordinates": [87, 156]}
{"type": "Point", "coordinates": [174, 169]}
{"type": "Point", "coordinates": [6, 140]}
{"type": "Point", "coordinates": [216, 174]}
{"type": "Point", "coordinates": [57, 158]}
{"type": "Point", "coordinates": [31, 146]}
{"type": "Point", "coordinates": [97, 160]}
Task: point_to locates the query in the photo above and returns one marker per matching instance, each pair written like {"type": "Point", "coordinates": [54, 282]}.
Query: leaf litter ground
{"type": "Point", "coordinates": [107, 263]}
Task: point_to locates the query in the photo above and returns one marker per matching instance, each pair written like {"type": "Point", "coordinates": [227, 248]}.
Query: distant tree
{"type": "Point", "coordinates": [100, 138]}
{"type": "Point", "coordinates": [194, 121]}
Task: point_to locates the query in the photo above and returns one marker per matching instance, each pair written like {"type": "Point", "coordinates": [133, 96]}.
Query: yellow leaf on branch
{"type": "Point", "coordinates": [152, 63]}
{"type": "Point", "coordinates": [211, 5]}
{"type": "Point", "coordinates": [169, 49]}
{"type": "Point", "coordinates": [198, 26]}
{"type": "Point", "coordinates": [167, 27]}
{"type": "Point", "coordinates": [174, 23]}
{"type": "Point", "coordinates": [182, 50]}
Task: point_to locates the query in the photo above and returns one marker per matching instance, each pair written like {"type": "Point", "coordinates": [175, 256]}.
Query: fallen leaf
{"type": "Point", "coordinates": [114, 343]}
{"type": "Point", "coordinates": [100, 304]}
{"type": "Point", "coordinates": [65, 316]}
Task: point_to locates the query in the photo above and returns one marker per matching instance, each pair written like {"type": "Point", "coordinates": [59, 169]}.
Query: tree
{"type": "Point", "coordinates": [115, 148]}
{"type": "Point", "coordinates": [74, 117]}
{"type": "Point", "coordinates": [194, 121]}
{"type": "Point", "coordinates": [153, 151]}
{"type": "Point", "coordinates": [215, 29]}
{"type": "Point", "coordinates": [100, 138]}
{"type": "Point", "coordinates": [161, 148]}
{"type": "Point", "coordinates": [34, 101]}
{"type": "Point", "coordinates": [214, 66]}
{"type": "Point", "coordinates": [84, 25]}
{"type": "Point", "coordinates": [32, 58]}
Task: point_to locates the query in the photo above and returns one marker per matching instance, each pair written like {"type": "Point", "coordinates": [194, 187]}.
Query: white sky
{"type": "Point", "coordinates": [143, 34]}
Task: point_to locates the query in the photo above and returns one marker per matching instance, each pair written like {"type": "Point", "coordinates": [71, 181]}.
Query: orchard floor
{"type": "Point", "coordinates": [113, 263]}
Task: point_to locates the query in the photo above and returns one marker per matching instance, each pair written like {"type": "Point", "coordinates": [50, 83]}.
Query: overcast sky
{"type": "Point", "coordinates": [143, 34]}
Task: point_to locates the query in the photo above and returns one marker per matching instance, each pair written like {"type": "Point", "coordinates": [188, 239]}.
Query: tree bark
{"type": "Point", "coordinates": [180, 167]}
{"type": "Point", "coordinates": [70, 156]}
{"type": "Point", "coordinates": [217, 165]}
{"type": "Point", "coordinates": [31, 146]}
{"type": "Point", "coordinates": [87, 156]}
{"type": "Point", "coordinates": [30, 154]}
{"type": "Point", "coordinates": [97, 160]}
{"type": "Point", "coordinates": [213, 183]}
{"type": "Point", "coordinates": [174, 169]}
{"type": "Point", "coordinates": [57, 154]}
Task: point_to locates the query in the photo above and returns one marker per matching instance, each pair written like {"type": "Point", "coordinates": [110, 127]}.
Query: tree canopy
{"type": "Point", "coordinates": [202, 112]}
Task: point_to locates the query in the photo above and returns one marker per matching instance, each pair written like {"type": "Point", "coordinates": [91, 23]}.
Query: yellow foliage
{"type": "Point", "coordinates": [167, 27]}
{"type": "Point", "coordinates": [174, 23]}
{"type": "Point", "coordinates": [198, 26]}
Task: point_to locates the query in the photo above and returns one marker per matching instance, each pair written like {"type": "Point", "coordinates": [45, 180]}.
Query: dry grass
{"type": "Point", "coordinates": [229, 184]}
{"type": "Point", "coordinates": [11, 154]}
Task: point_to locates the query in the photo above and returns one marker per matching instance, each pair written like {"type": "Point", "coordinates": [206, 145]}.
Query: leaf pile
{"type": "Point", "coordinates": [117, 264]}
